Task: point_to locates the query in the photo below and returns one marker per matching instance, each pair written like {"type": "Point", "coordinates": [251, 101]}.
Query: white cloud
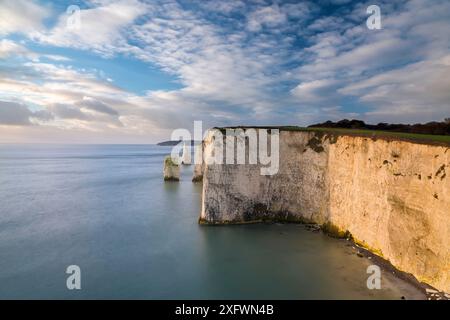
{"type": "Point", "coordinates": [100, 27]}
{"type": "Point", "coordinates": [397, 73]}
{"type": "Point", "coordinates": [313, 91]}
{"type": "Point", "coordinates": [21, 16]}
{"type": "Point", "coordinates": [222, 6]}
{"type": "Point", "coordinates": [222, 75]}
{"type": "Point", "coordinates": [412, 93]}
{"type": "Point", "coordinates": [62, 91]}
{"type": "Point", "coordinates": [267, 16]}
{"type": "Point", "coordinates": [10, 48]}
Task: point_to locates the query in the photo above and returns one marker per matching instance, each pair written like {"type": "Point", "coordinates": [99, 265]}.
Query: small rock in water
{"type": "Point", "coordinates": [359, 254]}
{"type": "Point", "coordinates": [171, 170]}
{"type": "Point", "coordinates": [313, 227]}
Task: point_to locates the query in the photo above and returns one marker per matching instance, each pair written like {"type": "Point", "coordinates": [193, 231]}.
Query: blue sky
{"type": "Point", "coordinates": [132, 71]}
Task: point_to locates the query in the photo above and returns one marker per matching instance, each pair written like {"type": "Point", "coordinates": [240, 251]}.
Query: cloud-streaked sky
{"type": "Point", "coordinates": [135, 70]}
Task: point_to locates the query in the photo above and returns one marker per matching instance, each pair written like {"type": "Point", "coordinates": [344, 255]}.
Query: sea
{"type": "Point", "coordinates": [106, 210]}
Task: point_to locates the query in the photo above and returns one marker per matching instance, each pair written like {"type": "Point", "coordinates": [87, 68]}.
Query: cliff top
{"type": "Point", "coordinates": [431, 139]}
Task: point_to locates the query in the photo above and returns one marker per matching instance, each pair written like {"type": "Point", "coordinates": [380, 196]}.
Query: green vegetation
{"type": "Point", "coordinates": [364, 245]}
{"type": "Point", "coordinates": [169, 162]}
{"type": "Point", "coordinates": [333, 231]}
{"type": "Point", "coordinates": [373, 134]}
{"type": "Point", "coordinates": [269, 217]}
{"type": "Point", "coordinates": [315, 143]}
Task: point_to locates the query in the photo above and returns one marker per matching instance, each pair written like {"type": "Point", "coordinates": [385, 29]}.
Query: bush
{"type": "Point", "coordinates": [436, 128]}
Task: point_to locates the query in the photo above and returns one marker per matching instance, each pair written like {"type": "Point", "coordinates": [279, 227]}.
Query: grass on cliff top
{"type": "Point", "coordinates": [417, 137]}
{"type": "Point", "coordinates": [414, 137]}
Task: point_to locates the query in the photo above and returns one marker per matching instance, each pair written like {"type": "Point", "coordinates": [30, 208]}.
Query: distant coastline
{"type": "Point", "coordinates": [172, 143]}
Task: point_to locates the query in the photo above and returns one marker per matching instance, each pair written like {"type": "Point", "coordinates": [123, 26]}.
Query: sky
{"type": "Point", "coordinates": [130, 71]}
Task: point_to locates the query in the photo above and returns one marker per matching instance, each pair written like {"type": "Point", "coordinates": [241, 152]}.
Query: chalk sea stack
{"type": "Point", "coordinates": [186, 156]}
{"type": "Point", "coordinates": [171, 170]}
{"type": "Point", "coordinates": [198, 168]}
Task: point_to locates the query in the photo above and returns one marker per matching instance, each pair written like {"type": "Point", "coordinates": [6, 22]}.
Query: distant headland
{"type": "Point", "coordinates": [172, 143]}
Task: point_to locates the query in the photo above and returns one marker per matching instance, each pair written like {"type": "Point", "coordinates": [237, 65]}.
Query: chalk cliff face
{"type": "Point", "coordinates": [392, 196]}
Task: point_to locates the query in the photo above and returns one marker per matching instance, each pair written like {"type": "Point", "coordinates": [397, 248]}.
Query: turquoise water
{"type": "Point", "coordinates": [106, 209]}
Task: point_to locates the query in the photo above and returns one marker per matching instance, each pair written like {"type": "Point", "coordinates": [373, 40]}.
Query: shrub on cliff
{"type": "Point", "coordinates": [435, 128]}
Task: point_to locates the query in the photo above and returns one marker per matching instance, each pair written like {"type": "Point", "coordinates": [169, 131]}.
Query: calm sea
{"type": "Point", "coordinates": [106, 209]}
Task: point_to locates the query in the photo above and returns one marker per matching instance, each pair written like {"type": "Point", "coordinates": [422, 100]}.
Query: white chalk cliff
{"type": "Point", "coordinates": [392, 196]}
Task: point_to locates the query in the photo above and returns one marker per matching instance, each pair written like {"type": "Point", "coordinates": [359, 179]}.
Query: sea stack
{"type": "Point", "coordinates": [186, 156]}
{"type": "Point", "coordinates": [198, 160]}
{"type": "Point", "coordinates": [171, 170]}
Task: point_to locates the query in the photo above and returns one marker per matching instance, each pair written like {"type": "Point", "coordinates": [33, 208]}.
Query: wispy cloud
{"type": "Point", "coordinates": [22, 16]}
{"type": "Point", "coordinates": [101, 29]}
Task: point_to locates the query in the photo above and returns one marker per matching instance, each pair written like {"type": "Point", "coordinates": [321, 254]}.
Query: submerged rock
{"type": "Point", "coordinates": [313, 227]}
